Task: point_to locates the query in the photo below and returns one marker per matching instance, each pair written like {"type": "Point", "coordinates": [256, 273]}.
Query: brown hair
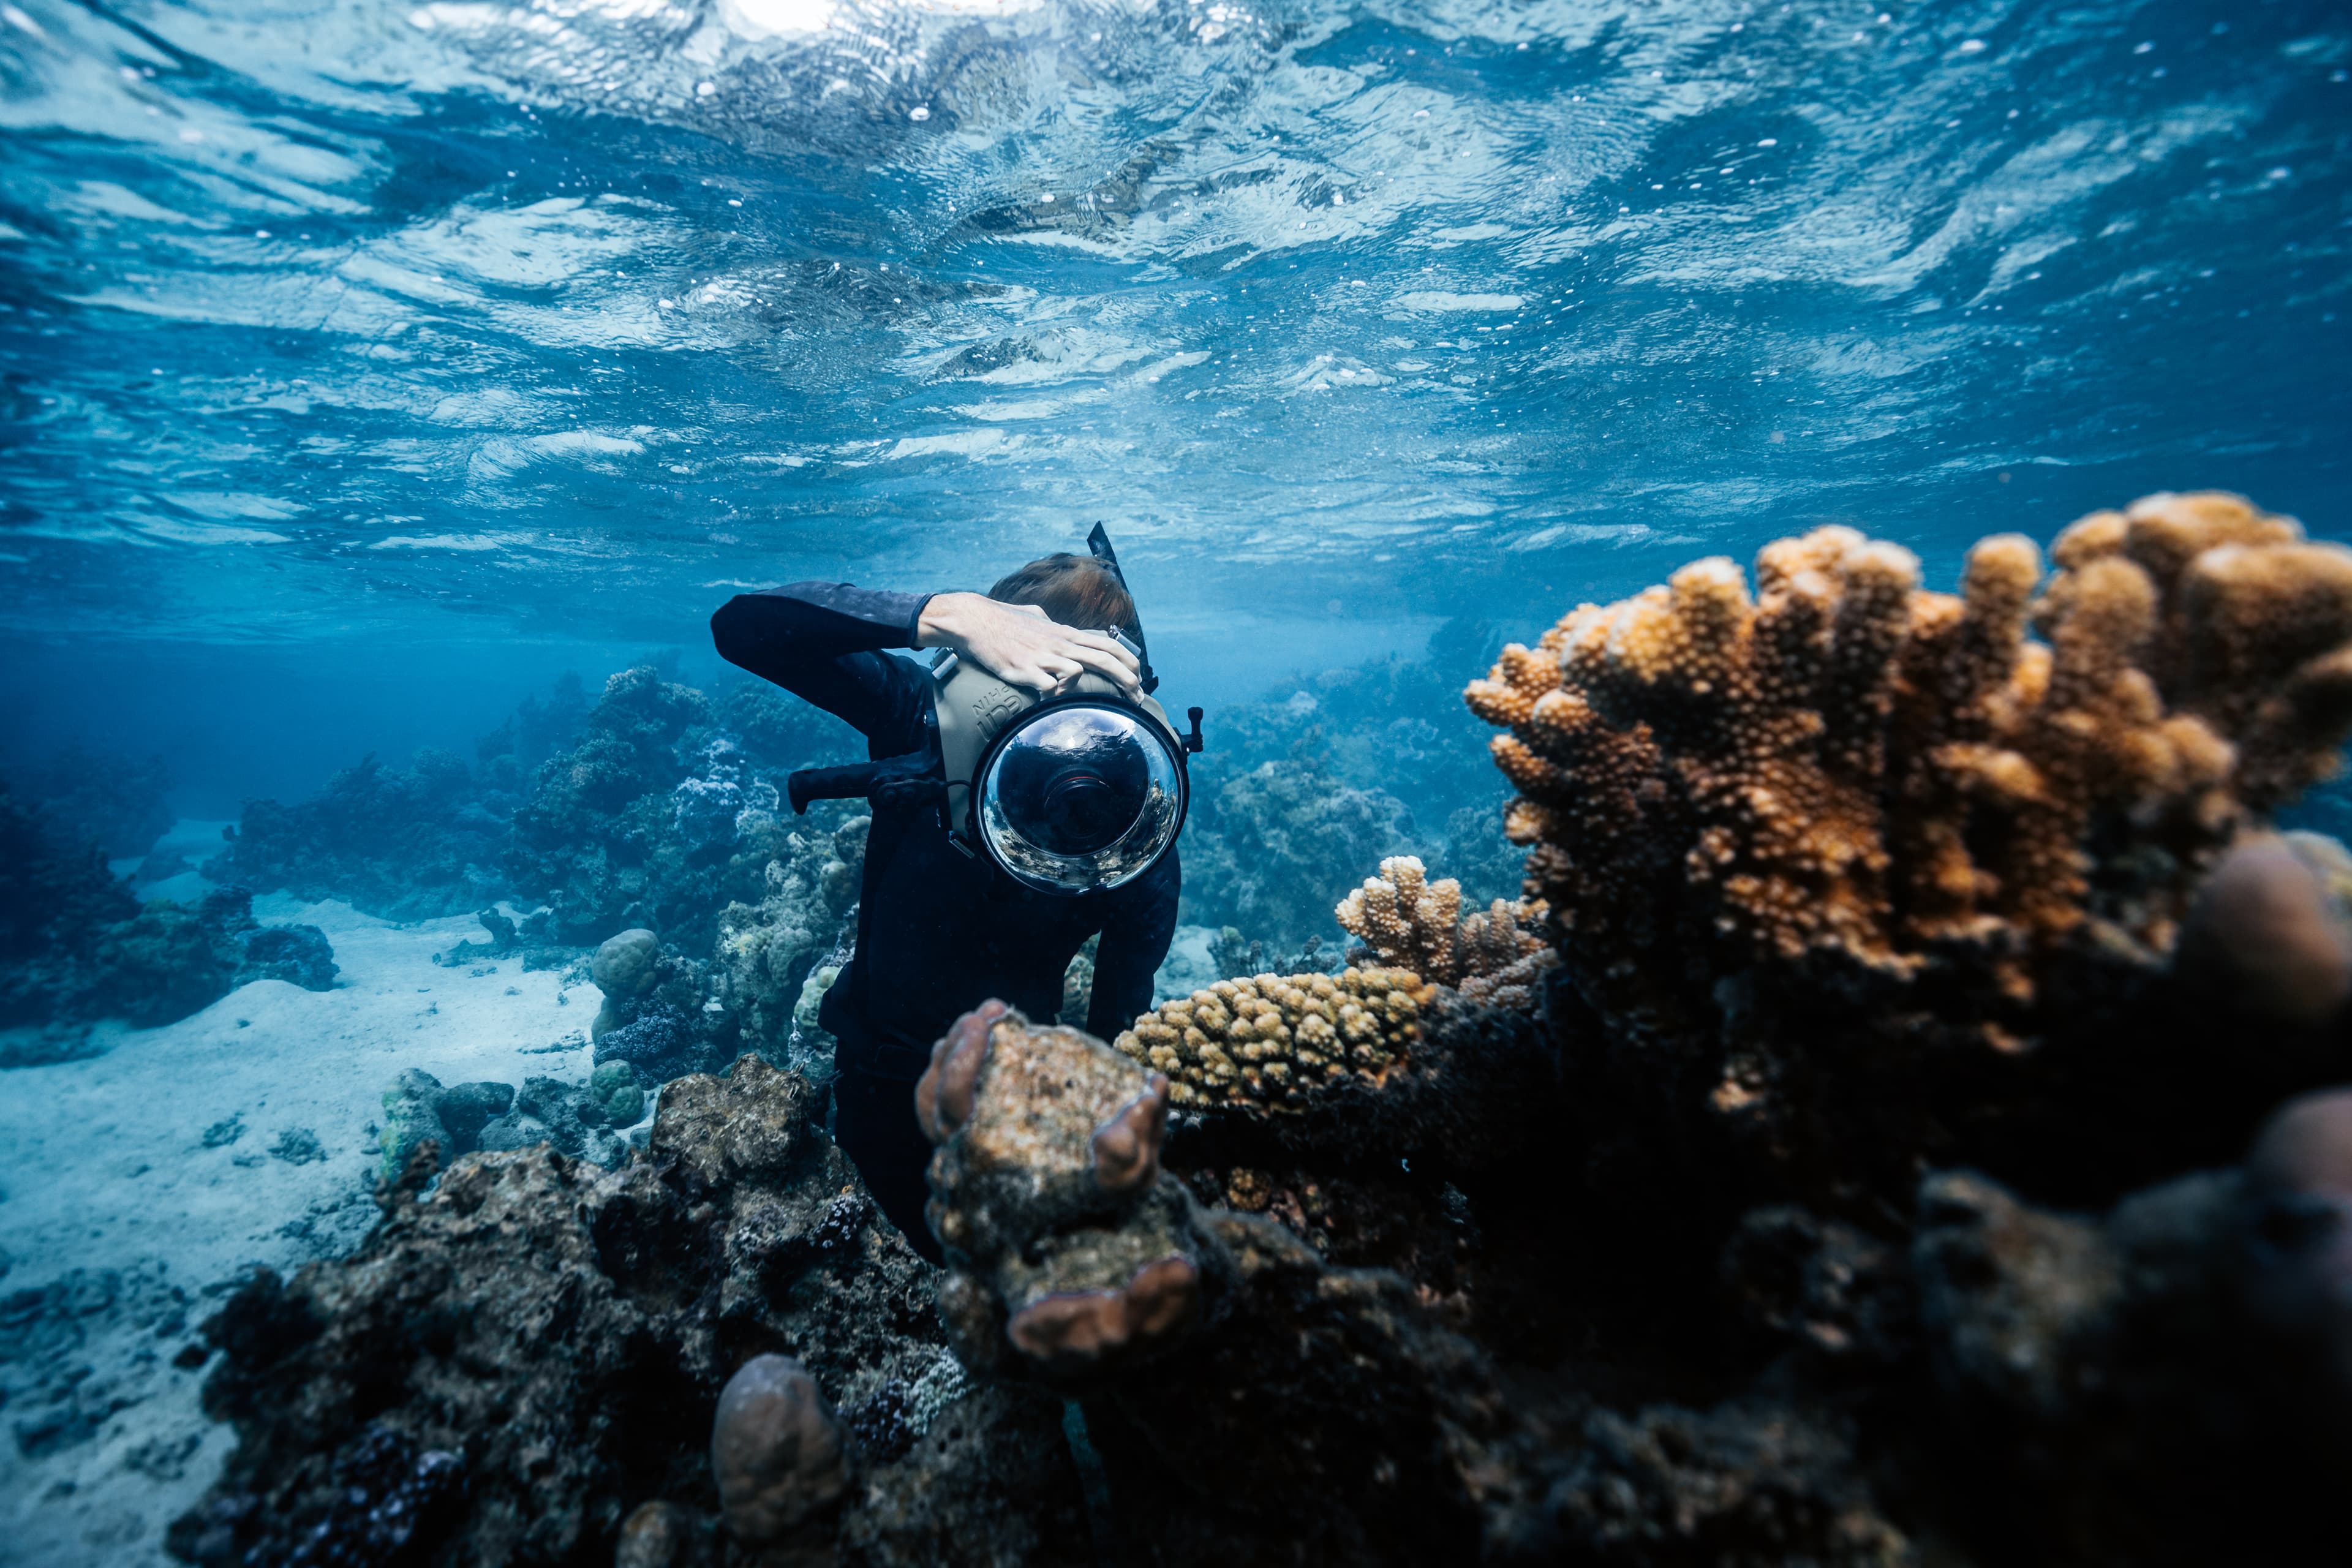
{"type": "Point", "coordinates": [1075, 590]}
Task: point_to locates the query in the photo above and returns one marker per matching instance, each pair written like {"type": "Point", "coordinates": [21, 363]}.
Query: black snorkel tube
{"type": "Point", "coordinates": [1099, 546]}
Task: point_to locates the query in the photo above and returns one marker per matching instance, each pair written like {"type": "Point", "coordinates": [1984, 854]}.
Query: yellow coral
{"type": "Point", "coordinates": [1847, 761]}
{"type": "Point", "coordinates": [1271, 1041]}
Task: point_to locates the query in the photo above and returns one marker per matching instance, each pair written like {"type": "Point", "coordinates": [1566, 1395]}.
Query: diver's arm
{"type": "Point", "coordinates": [824, 642]}
{"type": "Point", "coordinates": [1020, 645]}
{"type": "Point", "coordinates": [1134, 945]}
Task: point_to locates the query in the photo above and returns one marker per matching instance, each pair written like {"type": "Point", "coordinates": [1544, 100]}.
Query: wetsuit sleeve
{"type": "Point", "coordinates": [1134, 945]}
{"type": "Point", "coordinates": [824, 642]}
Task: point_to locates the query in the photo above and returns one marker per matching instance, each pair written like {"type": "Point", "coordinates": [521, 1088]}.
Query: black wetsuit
{"type": "Point", "coordinates": [937, 932]}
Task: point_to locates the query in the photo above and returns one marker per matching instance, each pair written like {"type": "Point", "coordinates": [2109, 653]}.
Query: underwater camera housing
{"type": "Point", "coordinates": [1078, 793]}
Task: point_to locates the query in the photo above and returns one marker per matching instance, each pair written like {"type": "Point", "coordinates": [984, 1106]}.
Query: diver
{"type": "Point", "coordinates": [1026, 795]}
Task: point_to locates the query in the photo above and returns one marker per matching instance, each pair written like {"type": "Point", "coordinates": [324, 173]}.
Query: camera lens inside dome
{"type": "Point", "coordinates": [1073, 782]}
{"type": "Point", "coordinates": [1081, 797]}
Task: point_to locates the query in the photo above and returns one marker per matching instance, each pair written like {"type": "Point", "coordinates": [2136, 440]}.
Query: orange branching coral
{"type": "Point", "coordinates": [1407, 921]}
{"type": "Point", "coordinates": [1844, 760]}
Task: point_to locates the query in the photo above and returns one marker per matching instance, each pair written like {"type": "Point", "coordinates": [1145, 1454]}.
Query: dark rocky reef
{"type": "Point", "coordinates": [119, 803]}
{"type": "Point", "coordinates": [412, 843]}
{"type": "Point", "coordinates": [76, 946]}
{"type": "Point", "coordinates": [560, 1336]}
{"type": "Point", "coordinates": [658, 818]}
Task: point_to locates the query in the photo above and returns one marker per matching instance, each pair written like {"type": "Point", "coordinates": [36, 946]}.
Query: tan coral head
{"type": "Point", "coordinates": [1127, 1146]}
{"type": "Point", "coordinates": [1074, 1329]}
{"type": "Point", "coordinates": [776, 1450]}
{"type": "Point", "coordinates": [943, 1098]}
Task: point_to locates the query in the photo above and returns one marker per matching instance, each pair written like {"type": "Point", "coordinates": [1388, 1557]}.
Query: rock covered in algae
{"type": "Point", "coordinates": [1272, 1040]}
{"type": "Point", "coordinates": [568, 1332]}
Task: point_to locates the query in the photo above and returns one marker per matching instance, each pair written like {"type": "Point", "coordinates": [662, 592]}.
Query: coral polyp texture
{"type": "Point", "coordinates": [1845, 759]}
{"type": "Point", "coordinates": [1408, 921]}
{"type": "Point", "coordinates": [1970, 822]}
{"type": "Point", "coordinates": [1272, 1040]}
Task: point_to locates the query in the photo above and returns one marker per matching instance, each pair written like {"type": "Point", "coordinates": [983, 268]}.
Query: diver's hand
{"type": "Point", "coordinates": [1020, 645]}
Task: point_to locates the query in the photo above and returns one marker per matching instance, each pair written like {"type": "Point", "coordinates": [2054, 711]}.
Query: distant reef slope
{"type": "Point", "coordinates": [77, 945]}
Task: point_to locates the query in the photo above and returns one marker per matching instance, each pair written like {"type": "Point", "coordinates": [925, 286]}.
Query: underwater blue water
{"type": "Point", "coordinates": [366, 363]}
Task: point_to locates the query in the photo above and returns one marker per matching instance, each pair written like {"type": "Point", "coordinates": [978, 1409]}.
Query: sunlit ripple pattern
{"type": "Point", "coordinates": [334, 319]}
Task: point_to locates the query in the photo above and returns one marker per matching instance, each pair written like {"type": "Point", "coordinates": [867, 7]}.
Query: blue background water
{"type": "Point", "coordinates": [364, 364]}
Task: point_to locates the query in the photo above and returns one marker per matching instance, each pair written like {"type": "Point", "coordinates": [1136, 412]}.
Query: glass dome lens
{"type": "Point", "coordinates": [1080, 797]}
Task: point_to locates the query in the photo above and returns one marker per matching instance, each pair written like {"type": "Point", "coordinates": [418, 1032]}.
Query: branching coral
{"type": "Point", "coordinates": [1273, 1039]}
{"type": "Point", "coordinates": [1847, 762]}
{"type": "Point", "coordinates": [1407, 921]}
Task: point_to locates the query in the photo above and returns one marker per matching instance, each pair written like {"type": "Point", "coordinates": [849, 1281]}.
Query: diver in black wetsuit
{"type": "Point", "coordinates": [940, 931]}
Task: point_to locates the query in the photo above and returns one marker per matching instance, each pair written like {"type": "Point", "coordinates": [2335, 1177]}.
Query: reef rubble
{"type": "Point", "coordinates": [1899, 1123]}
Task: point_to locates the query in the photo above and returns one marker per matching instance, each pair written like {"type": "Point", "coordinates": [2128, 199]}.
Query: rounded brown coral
{"type": "Point", "coordinates": [775, 1448]}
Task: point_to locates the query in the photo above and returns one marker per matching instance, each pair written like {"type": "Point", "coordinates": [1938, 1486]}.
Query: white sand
{"type": "Point", "coordinates": [103, 1166]}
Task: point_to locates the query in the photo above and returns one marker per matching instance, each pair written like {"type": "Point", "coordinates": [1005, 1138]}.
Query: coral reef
{"type": "Point", "coordinates": [1075, 1261]}
{"type": "Point", "coordinates": [1269, 850]}
{"type": "Point", "coordinates": [721, 1242]}
{"type": "Point", "coordinates": [768, 953]}
{"type": "Point", "coordinates": [1795, 1176]}
{"type": "Point", "coordinates": [75, 946]}
{"type": "Point", "coordinates": [412, 843]}
{"type": "Point", "coordinates": [1409, 922]}
{"type": "Point", "coordinates": [655, 819]}
{"type": "Point", "coordinates": [1274, 1041]}
{"type": "Point", "coordinates": [56, 900]}
{"type": "Point", "coordinates": [93, 798]}
{"type": "Point", "coordinates": [1853, 854]}
{"type": "Point", "coordinates": [577, 1119]}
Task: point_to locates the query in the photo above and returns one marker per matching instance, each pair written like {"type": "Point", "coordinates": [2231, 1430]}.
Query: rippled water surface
{"type": "Point", "coordinates": [347, 338]}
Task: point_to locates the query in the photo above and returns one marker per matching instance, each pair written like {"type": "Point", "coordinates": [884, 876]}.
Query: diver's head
{"type": "Point", "coordinates": [1077, 591]}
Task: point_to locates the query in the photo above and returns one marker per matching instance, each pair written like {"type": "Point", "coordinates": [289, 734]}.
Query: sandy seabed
{"type": "Point", "coordinates": [137, 1185]}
